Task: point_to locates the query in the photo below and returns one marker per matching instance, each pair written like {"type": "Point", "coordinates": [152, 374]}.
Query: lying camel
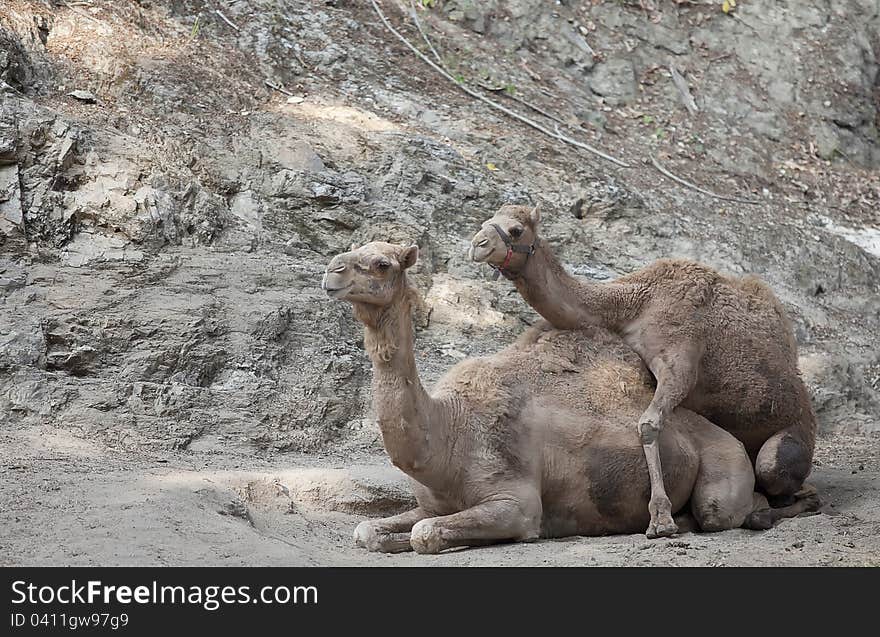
{"type": "Point", "coordinates": [533, 441]}
{"type": "Point", "coordinates": [720, 346]}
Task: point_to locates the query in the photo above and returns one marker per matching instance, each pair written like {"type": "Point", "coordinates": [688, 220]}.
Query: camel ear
{"type": "Point", "coordinates": [408, 257]}
{"type": "Point", "coordinates": [535, 216]}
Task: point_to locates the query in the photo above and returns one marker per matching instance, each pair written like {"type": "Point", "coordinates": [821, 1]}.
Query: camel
{"type": "Point", "coordinates": [534, 441]}
{"type": "Point", "coordinates": [722, 347]}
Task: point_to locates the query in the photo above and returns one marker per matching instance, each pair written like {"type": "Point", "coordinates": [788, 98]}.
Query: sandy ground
{"type": "Point", "coordinates": [66, 501]}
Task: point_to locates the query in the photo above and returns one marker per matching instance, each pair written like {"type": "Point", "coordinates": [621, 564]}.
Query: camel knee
{"type": "Point", "coordinates": [649, 426]}
{"type": "Point", "coordinates": [720, 522]}
{"type": "Point", "coordinates": [713, 516]}
{"type": "Point", "coordinates": [782, 465]}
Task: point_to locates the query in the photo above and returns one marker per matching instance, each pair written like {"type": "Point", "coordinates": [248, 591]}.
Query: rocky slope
{"type": "Point", "coordinates": [163, 230]}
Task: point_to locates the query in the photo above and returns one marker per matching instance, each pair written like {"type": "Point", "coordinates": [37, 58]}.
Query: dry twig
{"type": "Point", "coordinates": [424, 35]}
{"type": "Point", "coordinates": [226, 20]}
{"type": "Point", "coordinates": [708, 193]}
{"type": "Point", "coordinates": [491, 89]}
{"type": "Point", "coordinates": [683, 88]}
{"type": "Point", "coordinates": [278, 87]}
{"type": "Point", "coordinates": [486, 100]}
{"type": "Point", "coordinates": [532, 74]}
{"type": "Point", "coordinates": [537, 109]}
{"type": "Point", "coordinates": [82, 13]}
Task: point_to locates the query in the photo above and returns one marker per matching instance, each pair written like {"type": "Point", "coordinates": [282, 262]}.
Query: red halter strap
{"type": "Point", "coordinates": [511, 248]}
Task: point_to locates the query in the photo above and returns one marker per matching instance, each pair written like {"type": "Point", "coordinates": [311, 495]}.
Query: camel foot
{"type": "Point", "coordinates": [810, 502]}
{"type": "Point", "coordinates": [807, 490]}
{"type": "Point", "coordinates": [807, 497]}
{"type": "Point", "coordinates": [367, 536]}
{"type": "Point", "coordinates": [426, 539]}
{"type": "Point", "coordinates": [661, 529]}
{"type": "Point", "coordinates": [806, 502]}
{"type": "Point", "coordinates": [662, 524]}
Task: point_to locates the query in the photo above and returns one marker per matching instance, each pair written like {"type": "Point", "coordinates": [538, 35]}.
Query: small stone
{"type": "Point", "coordinates": [295, 99]}
{"type": "Point", "coordinates": [83, 96]}
{"type": "Point", "coordinates": [615, 80]}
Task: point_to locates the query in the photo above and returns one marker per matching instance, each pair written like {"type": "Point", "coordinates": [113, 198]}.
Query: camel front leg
{"type": "Point", "coordinates": [388, 535]}
{"type": "Point", "coordinates": [486, 523]}
{"type": "Point", "coordinates": [676, 377]}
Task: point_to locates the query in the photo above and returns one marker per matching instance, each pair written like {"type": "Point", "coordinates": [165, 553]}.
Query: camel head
{"type": "Point", "coordinates": [507, 239]}
{"type": "Point", "coordinates": [372, 274]}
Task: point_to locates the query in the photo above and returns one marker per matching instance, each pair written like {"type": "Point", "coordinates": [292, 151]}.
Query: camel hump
{"type": "Point", "coordinates": [674, 270]}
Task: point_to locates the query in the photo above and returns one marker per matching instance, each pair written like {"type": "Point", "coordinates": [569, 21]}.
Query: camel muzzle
{"type": "Point", "coordinates": [512, 247]}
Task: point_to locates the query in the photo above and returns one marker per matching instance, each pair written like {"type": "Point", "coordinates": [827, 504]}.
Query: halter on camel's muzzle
{"type": "Point", "coordinates": [511, 248]}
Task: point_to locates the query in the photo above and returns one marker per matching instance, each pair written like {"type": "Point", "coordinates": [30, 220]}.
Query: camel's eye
{"type": "Point", "coordinates": [383, 264]}
{"type": "Point", "coordinates": [516, 232]}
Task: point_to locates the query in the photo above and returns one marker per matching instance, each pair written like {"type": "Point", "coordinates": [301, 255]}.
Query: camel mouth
{"type": "Point", "coordinates": [336, 293]}
{"type": "Point", "coordinates": [482, 251]}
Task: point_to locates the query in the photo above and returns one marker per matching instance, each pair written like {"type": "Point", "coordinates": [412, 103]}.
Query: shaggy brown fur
{"type": "Point", "coordinates": [720, 346]}
{"type": "Point", "coordinates": [533, 441]}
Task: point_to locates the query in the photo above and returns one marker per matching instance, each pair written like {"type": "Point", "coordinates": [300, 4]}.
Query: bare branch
{"type": "Point", "coordinates": [527, 104]}
{"type": "Point", "coordinates": [708, 193]}
{"type": "Point", "coordinates": [568, 140]}
{"type": "Point", "coordinates": [277, 87]}
{"type": "Point", "coordinates": [683, 88]}
{"type": "Point", "coordinates": [81, 13]}
{"type": "Point", "coordinates": [418, 22]}
{"type": "Point", "coordinates": [226, 20]}
{"type": "Point", "coordinates": [486, 100]}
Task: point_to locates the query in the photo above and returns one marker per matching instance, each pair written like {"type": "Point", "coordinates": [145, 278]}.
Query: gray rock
{"type": "Point", "coordinates": [178, 234]}
{"type": "Point", "coordinates": [11, 216]}
{"type": "Point", "coordinates": [83, 96]}
{"type": "Point", "coordinates": [615, 80]}
{"type": "Point", "coordinates": [827, 142]}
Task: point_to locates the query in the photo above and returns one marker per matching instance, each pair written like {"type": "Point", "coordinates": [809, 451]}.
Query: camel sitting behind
{"type": "Point", "coordinates": [720, 346]}
{"type": "Point", "coordinates": [534, 441]}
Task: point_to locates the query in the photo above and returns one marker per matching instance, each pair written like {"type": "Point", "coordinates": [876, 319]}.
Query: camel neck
{"type": "Point", "coordinates": [407, 415]}
{"type": "Point", "coordinates": [571, 303]}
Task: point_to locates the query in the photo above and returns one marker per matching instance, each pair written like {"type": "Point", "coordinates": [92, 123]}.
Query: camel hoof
{"type": "Point", "coordinates": [806, 491]}
{"type": "Point", "coordinates": [810, 501]}
{"type": "Point", "coordinates": [425, 538]}
{"type": "Point", "coordinates": [366, 537]}
{"type": "Point", "coordinates": [661, 529]}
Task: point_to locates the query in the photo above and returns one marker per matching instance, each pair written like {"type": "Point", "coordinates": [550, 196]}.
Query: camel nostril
{"type": "Point", "coordinates": [338, 269]}
{"type": "Point", "coordinates": [482, 243]}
